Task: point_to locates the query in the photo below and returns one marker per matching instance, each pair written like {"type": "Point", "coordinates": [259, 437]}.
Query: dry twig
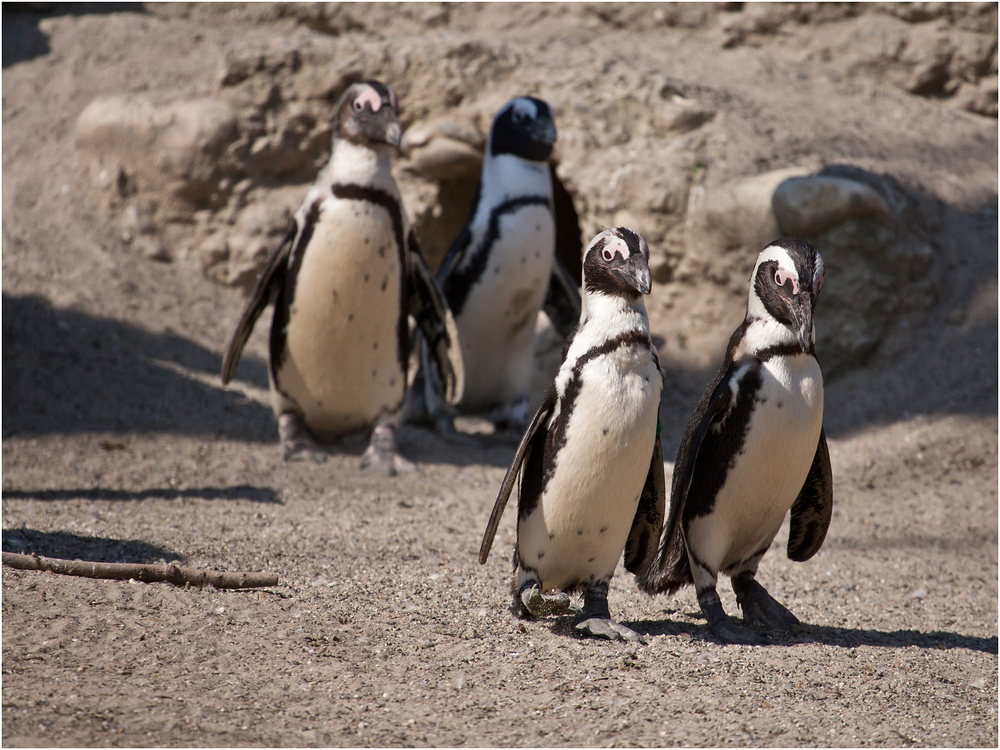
{"type": "Point", "coordinates": [167, 572]}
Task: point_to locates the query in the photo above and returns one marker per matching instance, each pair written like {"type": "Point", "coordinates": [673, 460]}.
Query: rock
{"type": "Point", "coordinates": [150, 247]}
{"type": "Point", "coordinates": [182, 139]}
{"type": "Point", "coordinates": [160, 160]}
{"type": "Point", "coordinates": [445, 149]}
{"type": "Point", "coordinates": [728, 225]}
{"type": "Point", "coordinates": [872, 236]}
{"type": "Point", "coordinates": [927, 49]}
{"type": "Point", "coordinates": [679, 115]}
{"type": "Point", "coordinates": [329, 18]}
{"type": "Point", "coordinates": [444, 158]}
{"type": "Point", "coordinates": [677, 158]}
{"type": "Point", "coordinates": [980, 98]}
{"type": "Point", "coordinates": [807, 206]}
{"type": "Point", "coordinates": [212, 252]}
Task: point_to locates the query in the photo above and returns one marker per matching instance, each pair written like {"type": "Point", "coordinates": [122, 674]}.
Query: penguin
{"type": "Point", "coordinates": [753, 450]}
{"type": "Point", "coordinates": [502, 269]}
{"type": "Point", "coordinates": [344, 280]}
{"type": "Point", "coordinates": [590, 462]}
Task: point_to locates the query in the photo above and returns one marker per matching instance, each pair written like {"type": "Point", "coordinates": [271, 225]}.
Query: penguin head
{"type": "Point", "coordinates": [523, 128]}
{"type": "Point", "coordinates": [368, 114]}
{"type": "Point", "coordinates": [786, 282]}
{"type": "Point", "coordinates": [616, 263]}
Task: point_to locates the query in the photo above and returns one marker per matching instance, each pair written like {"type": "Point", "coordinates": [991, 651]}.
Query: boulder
{"type": "Point", "coordinates": [162, 160]}
{"type": "Point", "coordinates": [873, 237]}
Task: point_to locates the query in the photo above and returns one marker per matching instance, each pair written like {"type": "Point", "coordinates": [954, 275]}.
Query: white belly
{"type": "Point", "coordinates": [769, 472]}
{"type": "Point", "coordinates": [497, 324]}
{"type": "Point", "coordinates": [341, 367]}
{"type": "Point", "coordinates": [579, 528]}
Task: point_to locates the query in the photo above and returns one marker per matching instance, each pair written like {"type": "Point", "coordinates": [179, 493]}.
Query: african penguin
{"type": "Point", "coordinates": [344, 280]}
{"type": "Point", "coordinates": [754, 448]}
{"type": "Point", "coordinates": [590, 461]}
{"type": "Point", "coordinates": [502, 269]}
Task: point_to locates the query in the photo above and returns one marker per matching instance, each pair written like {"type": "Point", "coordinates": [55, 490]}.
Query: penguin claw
{"type": "Point", "coordinates": [723, 626]}
{"type": "Point", "coordinates": [446, 429]}
{"type": "Point", "coordinates": [768, 614]}
{"type": "Point", "coordinates": [602, 627]}
{"type": "Point", "coordinates": [386, 463]}
{"type": "Point", "coordinates": [303, 451]}
{"type": "Point", "coordinates": [545, 605]}
{"type": "Point", "coordinates": [296, 443]}
{"type": "Point", "coordinates": [381, 454]}
{"type": "Point", "coordinates": [760, 609]}
{"type": "Point", "coordinates": [403, 465]}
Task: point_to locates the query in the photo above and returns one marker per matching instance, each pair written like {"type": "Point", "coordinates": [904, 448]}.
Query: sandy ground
{"type": "Point", "coordinates": [119, 444]}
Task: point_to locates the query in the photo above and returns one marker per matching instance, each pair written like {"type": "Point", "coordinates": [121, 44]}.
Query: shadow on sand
{"type": "Point", "coordinates": [236, 492]}
{"type": "Point", "coordinates": [67, 546]}
{"type": "Point", "coordinates": [67, 372]}
{"type": "Point", "coordinates": [820, 634]}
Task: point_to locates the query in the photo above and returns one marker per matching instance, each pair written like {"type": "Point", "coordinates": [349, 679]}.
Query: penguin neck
{"type": "Point", "coordinates": [614, 313]}
{"type": "Point", "coordinates": [361, 164]}
{"type": "Point", "coordinates": [507, 176]}
{"type": "Point", "coordinates": [763, 332]}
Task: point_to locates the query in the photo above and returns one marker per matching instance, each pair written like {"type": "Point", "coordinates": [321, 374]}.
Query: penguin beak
{"type": "Point", "coordinates": [634, 273]}
{"type": "Point", "coordinates": [544, 131]}
{"type": "Point", "coordinates": [393, 133]}
{"type": "Point", "coordinates": [800, 310]}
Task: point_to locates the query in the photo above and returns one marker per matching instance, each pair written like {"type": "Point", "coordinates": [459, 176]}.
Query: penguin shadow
{"type": "Point", "coordinates": [69, 372]}
{"type": "Point", "coordinates": [235, 492]}
{"type": "Point", "coordinates": [425, 445]}
{"type": "Point", "coordinates": [67, 546]}
{"type": "Point", "coordinates": [826, 635]}
{"type": "Point", "coordinates": [24, 40]}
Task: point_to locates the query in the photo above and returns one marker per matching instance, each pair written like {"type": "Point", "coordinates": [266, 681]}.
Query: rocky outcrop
{"type": "Point", "coordinates": [707, 175]}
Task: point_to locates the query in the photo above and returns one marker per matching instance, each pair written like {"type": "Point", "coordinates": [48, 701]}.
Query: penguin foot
{"type": "Point", "coordinates": [446, 429]}
{"type": "Point", "coordinates": [595, 617]}
{"type": "Point", "coordinates": [605, 627]}
{"type": "Point", "coordinates": [382, 456]}
{"type": "Point", "coordinates": [296, 442]}
{"type": "Point", "coordinates": [723, 627]}
{"type": "Point", "coordinates": [512, 418]}
{"type": "Point", "coordinates": [538, 604]}
{"type": "Point", "coordinates": [760, 609]}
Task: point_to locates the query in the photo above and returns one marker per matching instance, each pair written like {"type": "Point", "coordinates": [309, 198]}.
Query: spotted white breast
{"type": "Point", "coordinates": [341, 364]}
{"type": "Point", "coordinates": [497, 327]}
{"type": "Point", "coordinates": [579, 528]}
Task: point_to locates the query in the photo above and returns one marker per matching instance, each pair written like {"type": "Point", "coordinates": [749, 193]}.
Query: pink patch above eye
{"type": "Point", "coordinates": [617, 247]}
{"type": "Point", "coordinates": [781, 276]}
{"type": "Point", "coordinates": [368, 96]}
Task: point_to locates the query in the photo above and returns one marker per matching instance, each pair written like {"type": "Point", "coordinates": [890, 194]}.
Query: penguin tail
{"type": "Point", "coordinates": [670, 571]}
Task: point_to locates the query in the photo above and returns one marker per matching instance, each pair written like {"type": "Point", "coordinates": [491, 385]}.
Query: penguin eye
{"type": "Point", "coordinates": [517, 116]}
{"type": "Point", "coordinates": [358, 105]}
{"type": "Point", "coordinates": [608, 255]}
{"type": "Point", "coordinates": [782, 277]}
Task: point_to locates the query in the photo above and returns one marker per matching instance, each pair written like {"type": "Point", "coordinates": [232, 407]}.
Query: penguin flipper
{"type": "Point", "coordinates": [670, 570]}
{"type": "Point", "coordinates": [562, 302]}
{"type": "Point", "coordinates": [523, 450]}
{"type": "Point", "coordinates": [437, 325]}
{"type": "Point", "coordinates": [640, 548]}
{"type": "Point", "coordinates": [454, 255]}
{"type": "Point", "coordinates": [812, 509]}
{"type": "Point", "coordinates": [264, 291]}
